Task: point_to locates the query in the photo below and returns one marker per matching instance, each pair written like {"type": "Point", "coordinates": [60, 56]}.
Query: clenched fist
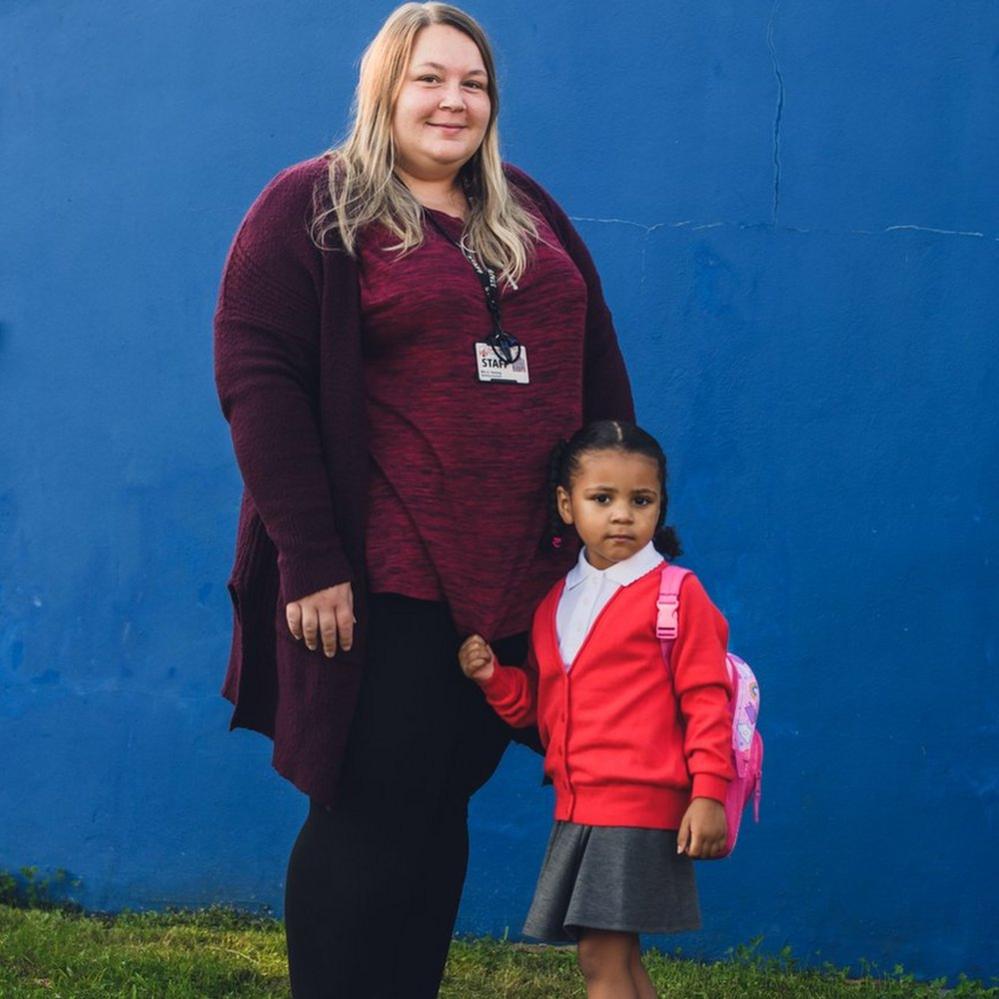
{"type": "Point", "coordinates": [476, 658]}
{"type": "Point", "coordinates": [703, 830]}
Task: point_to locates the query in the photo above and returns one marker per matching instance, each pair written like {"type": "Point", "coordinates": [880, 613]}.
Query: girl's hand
{"type": "Point", "coordinates": [703, 830]}
{"type": "Point", "coordinates": [326, 616]}
{"type": "Point", "coordinates": [476, 658]}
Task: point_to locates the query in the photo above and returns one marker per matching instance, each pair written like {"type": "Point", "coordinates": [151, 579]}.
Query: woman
{"type": "Point", "coordinates": [405, 327]}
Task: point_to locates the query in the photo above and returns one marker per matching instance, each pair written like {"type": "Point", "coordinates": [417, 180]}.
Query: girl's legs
{"type": "Point", "coordinates": [373, 883]}
{"type": "Point", "coordinates": [605, 959]}
{"type": "Point", "coordinates": [643, 984]}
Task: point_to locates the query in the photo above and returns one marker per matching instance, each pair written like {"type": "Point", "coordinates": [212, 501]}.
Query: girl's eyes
{"type": "Point", "coordinates": [603, 499]}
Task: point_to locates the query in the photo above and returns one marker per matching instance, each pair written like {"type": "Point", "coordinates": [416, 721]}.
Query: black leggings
{"type": "Point", "coordinates": [374, 882]}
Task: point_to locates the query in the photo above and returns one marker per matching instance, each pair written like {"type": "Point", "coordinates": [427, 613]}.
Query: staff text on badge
{"type": "Point", "coordinates": [492, 369]}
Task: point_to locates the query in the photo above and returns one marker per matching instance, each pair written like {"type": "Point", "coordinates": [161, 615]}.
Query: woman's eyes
{"type": "Point", "coordinates": [474, 84]}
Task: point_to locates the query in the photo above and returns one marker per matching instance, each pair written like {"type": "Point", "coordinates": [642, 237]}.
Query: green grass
{"type": "Point", "coordinates": [219, 953]}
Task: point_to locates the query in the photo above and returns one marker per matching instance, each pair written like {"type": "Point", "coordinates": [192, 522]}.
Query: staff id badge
{"type": "Point", "coordinates": [492, 369]}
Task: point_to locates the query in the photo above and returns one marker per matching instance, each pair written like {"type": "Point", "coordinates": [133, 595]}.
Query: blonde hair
{"type": "Point", "coordinates": [360, 185]}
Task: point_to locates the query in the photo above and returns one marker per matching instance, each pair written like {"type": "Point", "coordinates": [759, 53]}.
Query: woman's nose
{"type": "Point", "coordinates": [452, 99]}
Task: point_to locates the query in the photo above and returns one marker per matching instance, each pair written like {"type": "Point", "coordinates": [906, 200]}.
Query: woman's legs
{"type": "Point", "coordinates": [478, 740]}
{"type": "Point", "coordinates": [425, 931]}
{"type": "Point", "coordinates": [373, 883]}
{"type": "Point", "coordinates": [342, 880]}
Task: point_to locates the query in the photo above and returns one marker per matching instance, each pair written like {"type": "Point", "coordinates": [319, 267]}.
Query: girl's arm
{"type": "Point", "coordinates": [511, 690]}
{"type": "Point", "coordinates": [703, 688]}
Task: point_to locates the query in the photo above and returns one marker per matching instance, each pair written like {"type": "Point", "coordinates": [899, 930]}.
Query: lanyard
{"type": "Point", "coordinates": [505, 345]}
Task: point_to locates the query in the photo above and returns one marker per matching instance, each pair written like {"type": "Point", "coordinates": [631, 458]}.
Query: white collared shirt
{"type": "Point", "coordinates": [587, 591]}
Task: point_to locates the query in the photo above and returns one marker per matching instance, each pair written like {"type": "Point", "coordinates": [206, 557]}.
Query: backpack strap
{"type": "Point", "coordinates": [667, 621]}
{"type": "Point", "coordinates": [668, 617]}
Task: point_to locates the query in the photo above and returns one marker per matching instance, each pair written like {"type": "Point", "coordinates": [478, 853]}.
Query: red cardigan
{"type": "Point", "coordinates": [626, 742]}
{"type": "Point", "coordinates": [289, 367]}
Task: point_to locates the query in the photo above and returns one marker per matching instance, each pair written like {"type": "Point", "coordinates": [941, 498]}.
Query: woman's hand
{"type": "Point", "coordinates": [703, 830]}
{"type": "Point", "coordinates": [476, 659]}
{"type": "Point", "coordinates": [326, 616]}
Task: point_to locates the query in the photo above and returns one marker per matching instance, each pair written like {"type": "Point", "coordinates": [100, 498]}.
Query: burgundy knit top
{"type": "Point", "coordinates": [458, 487]}
{"type": "Point", "coordinates": [291, 371]}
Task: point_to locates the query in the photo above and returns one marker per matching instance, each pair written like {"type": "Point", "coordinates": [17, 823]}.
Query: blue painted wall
{"type": "Point", "coordinates": [793, 208]}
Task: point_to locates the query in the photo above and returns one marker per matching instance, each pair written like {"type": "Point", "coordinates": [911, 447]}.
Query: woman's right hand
{"type": "Point", "coordinates": [326, 616]}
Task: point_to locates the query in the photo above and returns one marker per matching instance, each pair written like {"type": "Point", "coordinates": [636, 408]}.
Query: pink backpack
{"type": "Point", "coordinates": [747, 743]}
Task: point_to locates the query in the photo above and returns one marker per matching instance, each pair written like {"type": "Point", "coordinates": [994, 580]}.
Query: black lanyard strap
{"type": "Point", "coordinates": [505, 345]}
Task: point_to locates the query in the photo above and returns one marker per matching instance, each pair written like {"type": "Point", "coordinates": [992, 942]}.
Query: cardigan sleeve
{"type": "Point", "coordinates": [512, 692]}
{"type": "Point", "coordinates": [606, 387]}
{"type": "Point", "coordinates": [702, 685]}
{"type": "Point", "coordinates": [266, 372]}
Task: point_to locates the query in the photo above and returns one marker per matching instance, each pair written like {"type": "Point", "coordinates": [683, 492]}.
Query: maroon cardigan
{"type": "Point", "coordinates": [289, 372]}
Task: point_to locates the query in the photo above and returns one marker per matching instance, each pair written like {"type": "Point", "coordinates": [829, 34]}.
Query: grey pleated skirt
{"type": "Point", "coordinates": [612, 878]}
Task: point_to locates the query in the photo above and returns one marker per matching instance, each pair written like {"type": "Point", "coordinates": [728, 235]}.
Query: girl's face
{"type": "Point", "coordinates": [613, 503]}
{"type": "Point", "coordinates": [442, 110]}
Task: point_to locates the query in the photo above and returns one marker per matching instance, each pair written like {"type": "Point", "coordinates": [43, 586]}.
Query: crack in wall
{"type": "Point", "coordinates": [926, 228]}
{"type": "Point", "coordinates": [637, 225]}
{"type": "Point", "coordinates": [645, 247]}
{"type": "Point", "coordinates": [778, 115]}
{"type": "Point", "coordinates": [773, 225]}
{"type": "Point", "coordinates": [693, 226]}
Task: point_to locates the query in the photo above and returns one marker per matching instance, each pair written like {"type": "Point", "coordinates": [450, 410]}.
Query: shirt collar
{"type": "Point", "coordinates": [622, 573]}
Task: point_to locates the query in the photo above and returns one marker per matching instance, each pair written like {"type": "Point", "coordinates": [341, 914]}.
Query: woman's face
{"type": "Point", "coordinates": [443, 107]}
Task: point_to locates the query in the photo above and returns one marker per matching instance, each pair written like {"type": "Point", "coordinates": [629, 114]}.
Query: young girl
{"type": "Point", "coordinates": [638, 755]}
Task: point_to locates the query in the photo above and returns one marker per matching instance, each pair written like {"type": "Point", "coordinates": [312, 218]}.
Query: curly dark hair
{"type": "Point", "coordinates": [606, 435]}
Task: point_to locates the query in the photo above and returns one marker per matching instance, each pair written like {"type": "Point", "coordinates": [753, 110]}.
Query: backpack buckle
{"type": "Point", "coordinates": [666, 619]}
